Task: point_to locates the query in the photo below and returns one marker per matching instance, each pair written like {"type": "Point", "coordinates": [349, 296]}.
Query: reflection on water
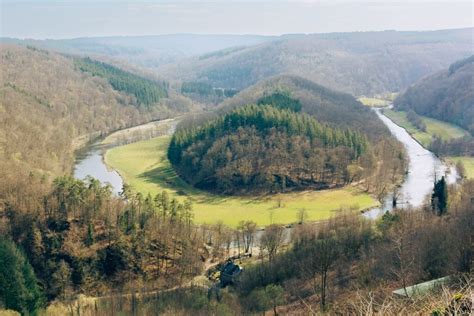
{"type": "Point", "coordinates": [423, 166]}
{"type": "Point", "coordinates": [92, 164]}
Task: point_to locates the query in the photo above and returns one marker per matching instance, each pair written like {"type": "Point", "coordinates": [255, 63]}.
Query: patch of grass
{"type": "Point", "coordinates": [146, 168]}
{"type": "Point", "coordinates": [376, 102]}
{"type": "Point", "coordinates": [468, 163]}
{"type": "Point", "coordinates": [433, 127]}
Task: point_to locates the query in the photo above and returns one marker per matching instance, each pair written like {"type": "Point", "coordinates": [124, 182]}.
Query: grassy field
{"type": "Point", "coordinates": [468, 163]}
{"type": "Point", "coordinates": [433, 127]}
{"type": "Point", "coordinates": [145, 167]}
{"type": "Point", "coordinates": [376, 102]}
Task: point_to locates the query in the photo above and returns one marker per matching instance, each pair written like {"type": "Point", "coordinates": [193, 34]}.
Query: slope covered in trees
{"type": "Point", "coordinates": [48, 108]}
{"type": "Point", "coordinates": [328, 106]}
{"type": "Point", "coordinates": [147, 92]}
{"type": "Point", "coordinates": [446, 96]}
{"type": "Point", "coordinates": [261, 147]}
{"type": "Point", "coordinates": [361, 63]}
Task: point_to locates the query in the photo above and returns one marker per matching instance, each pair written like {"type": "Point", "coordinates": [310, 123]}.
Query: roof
{"type": "Point", "coordinates": [421, 288]}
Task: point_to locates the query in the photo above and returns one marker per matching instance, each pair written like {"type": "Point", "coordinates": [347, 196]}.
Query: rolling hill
{"type": "Point", "coordinates": [447, 95]}
{"type": "Point", "coordinates": [146, 51]}
{"type": "Point", "coordinates": [360, 63]}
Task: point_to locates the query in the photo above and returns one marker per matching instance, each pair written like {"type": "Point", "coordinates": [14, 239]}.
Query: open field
{"type": "Point", "coordinates": [146, 168]}
{"type": "Point", "coordinates": [468, 163]}
{"type": "Point", "coordinates": [433, 127]}
{"type": "Point", "coordinates": [376, 102]}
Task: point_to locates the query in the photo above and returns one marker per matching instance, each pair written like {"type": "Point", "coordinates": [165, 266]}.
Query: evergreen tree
{"type": "Point", "coordinates": [439, 198]}
{"type": "Point", "coordinates": [19, 288]}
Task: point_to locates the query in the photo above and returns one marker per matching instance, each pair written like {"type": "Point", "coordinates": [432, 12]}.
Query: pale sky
{"type": "Point", "coordinates": [84, 18]}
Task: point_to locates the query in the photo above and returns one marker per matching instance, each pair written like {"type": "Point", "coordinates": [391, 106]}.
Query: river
{"type": "Point", "coordinates": [423, 165]}
{"type": "Point", "coordinates": [422, 169]}
{"type": "Point", "coordinates": [90, 162]}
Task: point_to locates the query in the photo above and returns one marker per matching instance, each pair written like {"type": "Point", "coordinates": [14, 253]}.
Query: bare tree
{"type": "Point", "coordinates": [272, 239]}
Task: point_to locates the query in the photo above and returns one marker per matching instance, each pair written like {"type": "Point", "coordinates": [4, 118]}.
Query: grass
{"type": "Point", "coordinates": [376, 102]}
{"type": "Point", "coordinates": [379, 100]}
{"type": "Point", "coordinates": [145, 167]}
{"type": "Point", "coordinates": [433, 127]}
{"type": "Point", "coordinates": [468, 163]}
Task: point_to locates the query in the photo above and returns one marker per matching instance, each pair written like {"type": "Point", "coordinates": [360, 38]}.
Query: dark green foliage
{"type": "Point", "coordinates": [146, 91]}
{"type": "Point", "coordinates": [446, 96]}
{"type": "Point", "coordinates": [19, 288]}
{"type": "Point", "coordinates": [281, 100]}
{"type": "Point", "coordinates": [114, 258]}
{"type": "Point", "coordinates": [262, 147]}
{"type": "Point", "coordinates": [90, 235]}
{"type": "Point", "coordinates": [439, 198]}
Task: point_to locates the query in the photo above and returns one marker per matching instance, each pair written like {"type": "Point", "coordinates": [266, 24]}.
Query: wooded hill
{"type": "Point", "coordinates": [380, 165]}
{"type": "Point", "coordinates": [447, 95]}
{"type": "Point", "coordinates": [328, 106]}
{"type": "Point", "coordinates": [49, 107]}
{"type": "Point", "coordinates": [263, 148]}
{"type": "Point", "coordinates": [360, 63]}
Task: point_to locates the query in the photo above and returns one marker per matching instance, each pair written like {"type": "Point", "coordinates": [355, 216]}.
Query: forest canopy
{"type": "Point", "coordinates": [264, 148]}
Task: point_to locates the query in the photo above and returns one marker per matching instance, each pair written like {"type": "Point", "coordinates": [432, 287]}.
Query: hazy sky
{"type": "Point", "coordinates": [79, 18]}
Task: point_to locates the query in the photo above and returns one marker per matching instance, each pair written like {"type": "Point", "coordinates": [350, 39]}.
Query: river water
{"type": "Point", "coordinates": [92, 164]}
{"type": "Point", "coordinates": [423, 165]}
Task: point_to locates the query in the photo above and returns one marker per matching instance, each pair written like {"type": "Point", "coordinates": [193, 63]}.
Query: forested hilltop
{"type": "Point", "coordinates": [331, 107]}
{"type": "Point", "coordinates": [271, 146]}
{"type": "Point", "coordinates": [49, 107]}
{"type": "Point", "coordinates": [263, 148]}
{"type": "Point", "coordinates": [360, 63]}
{"type": "Point", "coordinates": [446, 96]}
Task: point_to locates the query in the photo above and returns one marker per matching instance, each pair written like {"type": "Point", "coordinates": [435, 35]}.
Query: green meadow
{"type": "Point", "coordinates": [468, 163]}
{"type": "Point", "coordinates": [433, 127]}
{"type": "Point", "coordinates": [145, 166]}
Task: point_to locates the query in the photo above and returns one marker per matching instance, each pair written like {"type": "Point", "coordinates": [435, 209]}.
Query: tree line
{"type": "Point", "coordinates": [146, 91]}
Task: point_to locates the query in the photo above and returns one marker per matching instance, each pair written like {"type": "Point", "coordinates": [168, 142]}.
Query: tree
{"type": "Point", "coordinates": [19, 288]}
{"type": "Point", "coordinates": [272, 239]}
{"type": "Point", "coordinates": [90, 235]}
{"type": "Point", "coordinates": [276, 296]}
{"type": "Point", "coordinates": [301, 215]}
{"type": "Point", "coordinates": [61, 279]}
{"type": "Point", "coordinates": [439, 198]}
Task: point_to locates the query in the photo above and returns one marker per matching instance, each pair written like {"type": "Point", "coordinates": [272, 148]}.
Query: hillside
{"type": "Point", "coordinates": [147, 51]}
{"type": "Point", "coordinates": [49, 107]}
{"type": "Point", "coordinates": [360, 63]}
{"type": "Point", "coordinates": [447, 95]}
{"type": "Point", "coordinates": [328, 106]}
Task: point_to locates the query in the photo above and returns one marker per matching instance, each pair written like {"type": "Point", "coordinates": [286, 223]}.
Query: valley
{"type": "Point", "coordinates": [219, 174]}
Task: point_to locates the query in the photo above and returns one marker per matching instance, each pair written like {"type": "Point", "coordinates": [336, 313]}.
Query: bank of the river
{"type": "Point", "coordinates": [90, 159]}
{"type": "Point", "coordinates": [423, 167]}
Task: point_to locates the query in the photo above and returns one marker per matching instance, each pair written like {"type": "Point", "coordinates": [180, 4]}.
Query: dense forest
{"type": "Point", "coordinates": [265, 147]}
{"type": "Point", "coordinates": [446, 96]}
{"type": "Point", "coordinates": [146, 91]}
